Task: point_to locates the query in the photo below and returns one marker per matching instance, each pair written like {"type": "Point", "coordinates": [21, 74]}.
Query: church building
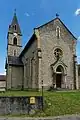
{"type": "Point", "coordinates": [49, 57]}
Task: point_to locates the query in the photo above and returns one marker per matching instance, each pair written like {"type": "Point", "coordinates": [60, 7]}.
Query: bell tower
{"type": "Point", "coordinates": [14, 38]}
{"type": "Point", "coordinates": [13, 64]}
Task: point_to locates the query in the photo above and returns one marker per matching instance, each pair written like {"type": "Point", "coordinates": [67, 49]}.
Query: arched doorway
{"type": "Point", "coordinates": [59, 76]}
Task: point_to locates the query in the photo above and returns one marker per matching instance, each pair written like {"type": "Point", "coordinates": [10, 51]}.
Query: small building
{"type": "Point", "coordinates": [2, 82]}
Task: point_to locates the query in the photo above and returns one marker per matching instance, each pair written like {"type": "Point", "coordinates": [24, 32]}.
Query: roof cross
{"type": "Point", "coordinates": [15, 11]}
{"type": "Point", "coordinates": [57, 15]}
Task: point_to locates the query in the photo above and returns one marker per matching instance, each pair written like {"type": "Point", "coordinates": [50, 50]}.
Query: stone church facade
{"type": "Point", "coordinates": [49, 56]}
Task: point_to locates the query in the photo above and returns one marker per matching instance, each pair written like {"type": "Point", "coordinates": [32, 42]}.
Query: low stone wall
{"type": "Point", "coordinates": [19, 105]}
{"type": "Point", "coordinates": [67, 117]}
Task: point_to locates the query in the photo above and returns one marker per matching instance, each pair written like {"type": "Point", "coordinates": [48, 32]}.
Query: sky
{"type": "Point", "coordinates": [33, 13]}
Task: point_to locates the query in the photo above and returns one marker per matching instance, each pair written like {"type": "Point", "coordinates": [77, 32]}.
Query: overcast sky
{"type": "Point", "coordinates": [32, 13]}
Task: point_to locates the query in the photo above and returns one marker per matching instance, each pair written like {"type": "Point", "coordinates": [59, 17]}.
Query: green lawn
{"type": "Point", "coordinates": [20, 93]}
{"type": "Point", "coordinates": [56, 103]}
{"type": "Point", "coordinates": [61, 103]}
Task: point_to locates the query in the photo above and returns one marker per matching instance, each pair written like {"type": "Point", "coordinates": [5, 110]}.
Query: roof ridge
{"type": "Point", "coordinates": [61, 22]}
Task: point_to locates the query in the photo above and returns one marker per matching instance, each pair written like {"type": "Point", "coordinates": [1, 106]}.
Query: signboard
{"type": "Point", "coordinates": [32, 100]}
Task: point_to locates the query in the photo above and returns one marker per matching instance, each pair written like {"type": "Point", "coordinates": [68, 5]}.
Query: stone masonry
{"type": "Point", "coordinates": [49, 56]}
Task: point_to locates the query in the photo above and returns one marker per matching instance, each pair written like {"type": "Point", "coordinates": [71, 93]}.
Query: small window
{"type": "Point", "coordinates": [58, 32]}
{"type": "Point", "coordinates": [15, 27]}
{"type": "Point", "coordinates": [15, 41]}
{"type": "Point", "coordinates": [14, 52]}
{"type": "Point", "coordinates": [60, 69]}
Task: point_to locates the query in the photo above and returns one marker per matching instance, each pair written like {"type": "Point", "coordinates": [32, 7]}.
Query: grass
{"type": "Point", "coordinates": [20, 93]}
{"type": "Point", "coordinates": [61, 103]}
{"type": "Point", "coordinates": [56, 103]}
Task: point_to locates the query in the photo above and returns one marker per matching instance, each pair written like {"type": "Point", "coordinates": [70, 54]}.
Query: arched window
{"type": "Point", "coordinates": [15, 41]}
{"type": "Point", "coordinates": [58, 32]}
{"type": "Point", "coordinates": [60, 69]}
{"type": "Point", "coordinates": [14, 52]}
{"type": "Point", "coordinates": [15, 27]}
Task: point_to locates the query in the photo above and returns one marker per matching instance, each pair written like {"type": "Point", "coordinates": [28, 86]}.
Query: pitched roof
{"type": "Point", "coordinates": [59, 62]}
{"type": "Point", "coordinates": [14, 24]}
{"type": "Point", "coordinates": [2, 77]}
{"type": "Point", "coordinates": [34, 36]}
{"type": "Point", "coordinates": [28, 45]}
{"type": "Point", "coordinates": [13, 60]}
{"type": "Point", "coordinates": [61, 22]}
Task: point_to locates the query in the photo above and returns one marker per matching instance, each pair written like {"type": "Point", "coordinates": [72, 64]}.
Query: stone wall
{"type": "Point", "coordinates": [49, 42]}
{"type": "Point", "coordinates": [14, 77]}
{"type": "Point", "coordinates": [30, 62]}
{"type": "Point", "coordinates": [2, 85]}
{"type": "Point", "coordinates": [66, 117]}
{"type": "Point", "coordinates": [8, 77]}
{"type": "Point", "coordinates": [17, 77]}
{"type": "Point", "coordinates": [19, 105]}
{"type": "Point", "coordinates": [79, 81]}
{"type": "Point", "coordinates": [12, 47]}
